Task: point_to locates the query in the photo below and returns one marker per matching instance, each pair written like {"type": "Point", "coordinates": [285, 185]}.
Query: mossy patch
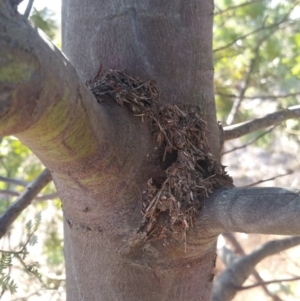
{"type": "Point", "coordinates": [60, 122]}
{"type": "Point", "coordinates": [16, 69]}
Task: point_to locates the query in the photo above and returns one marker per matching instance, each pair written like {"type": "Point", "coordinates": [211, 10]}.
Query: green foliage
{"type": "Point", "coordinates": [45, 19]}
{"type": "Point", "coordinates": [257, 55]}
{"type": "Point", "coordinates": [7, 257]}
{"type": "Point", "coordinates": [5, 280]}
{"type": "Point", "coordinates": [17, 161]}
{"type": "Point", "coordinates": [257, 58]}
{"type": "Point", "coordinates": [53, 247]}
{"type": "Point", "coordinates": [31, 229]}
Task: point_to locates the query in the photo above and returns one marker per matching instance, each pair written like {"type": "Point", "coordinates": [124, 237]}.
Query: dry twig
{"type": "Point", "coordinates": [269, 179]}
{"type": "Point", "coordinates": [250, 142]}
{"type": "Point", "coordinates": [268, 282]}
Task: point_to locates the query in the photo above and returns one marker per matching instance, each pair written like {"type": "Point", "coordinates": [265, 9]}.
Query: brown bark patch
{"type": "Point", "coordinates": [190, 172]}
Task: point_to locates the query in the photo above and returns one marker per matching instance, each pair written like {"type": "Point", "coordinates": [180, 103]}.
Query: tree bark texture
{"type": "Point", "coordinates": [252, 210]}
{"type": "Point", "coordinates": [170, 42]}
{"type": "Point", "coordinates": [101, 156]}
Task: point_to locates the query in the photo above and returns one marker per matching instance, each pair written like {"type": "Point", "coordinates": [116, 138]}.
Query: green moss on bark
{"type": "Point", "coordinates": [15, 68]}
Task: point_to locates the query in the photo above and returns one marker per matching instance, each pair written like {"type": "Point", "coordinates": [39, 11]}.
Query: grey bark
{"type": "Point", "coordinates": [23, 201]}
{"type": "Point", "coordinates": [230, 281]}
{"type": "Point", "coordinates": [97, 153]}
{"type": "Point", "coordinates": [38, 197]}
{"type": "Point", "coordinates": [252, 210]}
{"type": "Point", "coordinates": [227, 255]}
{"type": "Point", "coordinates": [28, 9]}
{"type": "Point", "coordinates": [247, 127]}
{"type": "Point", "coordinates": [169, 42]}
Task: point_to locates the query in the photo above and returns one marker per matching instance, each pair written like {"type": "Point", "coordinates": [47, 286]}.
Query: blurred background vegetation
{"type": "Point", "coordinates": [257, 71]}
{"type": "Point", "coordinates": [18, 162]}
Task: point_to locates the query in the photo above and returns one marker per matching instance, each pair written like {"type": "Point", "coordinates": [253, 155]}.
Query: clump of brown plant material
{"type": "Point", "coordinates": [191, 172]}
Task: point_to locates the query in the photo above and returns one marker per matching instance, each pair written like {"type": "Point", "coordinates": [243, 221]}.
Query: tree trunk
{"type": "Point", "coordinates": [101, 156]}
{"type": "Point", "coordinates": [170, 42]}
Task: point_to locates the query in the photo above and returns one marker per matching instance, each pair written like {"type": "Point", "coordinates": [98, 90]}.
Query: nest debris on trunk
{"type": "Point", "coordinates": [180, 134]}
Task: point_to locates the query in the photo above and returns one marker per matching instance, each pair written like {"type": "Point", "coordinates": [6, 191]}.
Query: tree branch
{"type": "Point", "coordinates": [13, 181]}
{"type": "Point", "coordinates": [229, 237]}
{"type": "Point", "coordinates": [42, 90]}
{"type": "Point", "coordinates": [270, 179]}
{"type": "Point", "coordinates": [226, 253]}
{"type": "Point", "coordinates": [263, 27]}
{"type": "Point", "coordinates": [245, 84]}
{"type": "Point", "coordinates": [44, 102]}
{"type": "Point", "coordinates": [230, 281]}
{"type": "Point", "coordinates": [259, 96]}
{"type": "Point", "coordinates": [251, 210]}
{"type": "Point", "coordinates": [23, 201]}
{"type": "Point", "coordinates": [236, 6]}
{"type": "Point", "coordinates": [28, 9]}
{"type": "Point", "coordinates": [250, 142]}
{"type": "Point", "coordinates": [15, 3]}
{"type": "Point", "coordinates": [39, 198]}
{"type": "Point", "coordinates": [268, 282]}
{"type": "Point", "coordinates": [23, 183]}
{"type": "Point", "coordinates": [244, 128]}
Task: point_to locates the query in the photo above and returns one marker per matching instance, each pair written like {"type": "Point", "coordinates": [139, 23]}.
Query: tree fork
{"type": "Point", "coordinates": [99, 212]}
{"type": "Point", "coordinates": [97, 152]}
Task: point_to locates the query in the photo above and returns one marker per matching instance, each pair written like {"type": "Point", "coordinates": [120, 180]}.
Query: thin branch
{"type": "Point", "coordinates": [236, 6]}
{"type": "Point", "coordinates": [227, 255]}
{"type": "Point", "coordinates": [235, 107]}
{"type": "Point", "coordinates": [217, 7]}
{"type": "Point", "coordinates": [48, 69]}
{"type": "Point", "coordinates": [244, 128]}
{"type": "Point", "coordinates": [39, 198]}
{"type": "Point", "coordinates": [259, 96]}
{"type": "Point", "coordinates": [13, 181]}
{"type": "Point", "coordinates": [250, 142]}
{"type": "Point", "coordinates": [253, 32]}
{"type": "Point", "coordinates": [269, 179]}
{"type": "Point", "coordinates": [267, 282]}
{"type": "Point", "coordinates": [244, 86]}
{"type": "Point", "coordinates": [232, 278]}
{"type": "Point", "coordinates": [28, 9]}
{"type": "Point", "coordinates": [23, 201]}
{"type": "Point", "coordinates": [233, 241]}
